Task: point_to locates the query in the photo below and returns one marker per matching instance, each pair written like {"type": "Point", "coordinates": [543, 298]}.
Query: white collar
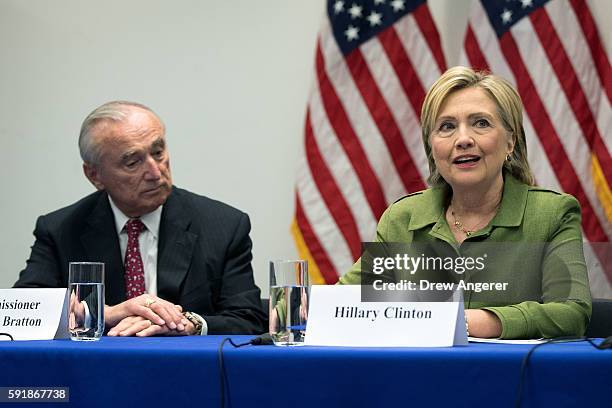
{"type": "Point", "coordinates": [150, 220]}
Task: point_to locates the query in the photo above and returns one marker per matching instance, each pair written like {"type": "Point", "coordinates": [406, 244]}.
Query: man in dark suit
{"type": "Point", "coordinates": [176, 263]}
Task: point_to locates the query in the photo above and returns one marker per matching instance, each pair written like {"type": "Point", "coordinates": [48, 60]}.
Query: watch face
{"type": "Point", "coordinates": [195, 321]}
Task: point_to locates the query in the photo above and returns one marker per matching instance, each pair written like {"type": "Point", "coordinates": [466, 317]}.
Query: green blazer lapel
{"type": "Point", "coordinates": [514, 201]}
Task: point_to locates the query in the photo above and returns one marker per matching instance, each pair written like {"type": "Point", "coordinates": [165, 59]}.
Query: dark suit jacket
{"type": "Point", "coordinates": [203, 263]}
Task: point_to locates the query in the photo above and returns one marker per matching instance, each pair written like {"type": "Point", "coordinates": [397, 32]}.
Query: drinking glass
{"type": "Point", "coordinates": [86, 307]}
{"type": "Point", "coordinates": [289, 296]}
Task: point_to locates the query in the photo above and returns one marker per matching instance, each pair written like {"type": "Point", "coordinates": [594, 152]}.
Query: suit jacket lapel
{"type": "Point", "coordinates": [175, 248]}
{"type": "Point", "coordinates": [102, 245]}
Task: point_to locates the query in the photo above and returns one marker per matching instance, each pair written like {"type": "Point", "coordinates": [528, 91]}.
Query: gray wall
{"type": "Point", "coordinates": [230, 80]}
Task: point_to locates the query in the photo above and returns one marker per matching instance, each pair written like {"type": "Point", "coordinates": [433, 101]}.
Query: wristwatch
{"type": "Point", "coordinates": [196, 321]}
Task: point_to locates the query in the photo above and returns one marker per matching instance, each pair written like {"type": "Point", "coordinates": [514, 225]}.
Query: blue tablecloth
{"type": "Point", "coordinates": [184, 372]}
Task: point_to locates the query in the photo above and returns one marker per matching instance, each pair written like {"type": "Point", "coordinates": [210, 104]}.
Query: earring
{"type": "Point", "coordinates": [508, 158]}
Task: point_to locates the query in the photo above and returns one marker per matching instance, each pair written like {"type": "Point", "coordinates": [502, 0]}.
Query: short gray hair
{"type": "Point", "coordinates": [114, 111]}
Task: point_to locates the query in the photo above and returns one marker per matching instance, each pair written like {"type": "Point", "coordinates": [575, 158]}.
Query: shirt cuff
{"type": "Point", "coordinates": [204, 331]}
{"type": "Point", "coordinates": [87, 319]}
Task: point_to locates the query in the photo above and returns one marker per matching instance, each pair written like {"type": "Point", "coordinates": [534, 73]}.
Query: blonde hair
{"type": "Point", "coordinates": [509, 108]}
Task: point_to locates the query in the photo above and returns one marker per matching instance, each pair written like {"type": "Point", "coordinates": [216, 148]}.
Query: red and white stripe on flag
{"type": "Point", "coordinates": [374, 62]}
{"type": "Point", "coordinates": [552, 53]}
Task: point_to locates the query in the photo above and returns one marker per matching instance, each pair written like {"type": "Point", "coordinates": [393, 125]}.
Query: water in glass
{"type": "Point", "coordinates": [86, 314]}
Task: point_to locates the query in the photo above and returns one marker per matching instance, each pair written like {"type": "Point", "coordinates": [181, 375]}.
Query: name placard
{"type": "Point", "coordinates": [338, 317]}
{"type": "Point", "coordinates": [34, 314]}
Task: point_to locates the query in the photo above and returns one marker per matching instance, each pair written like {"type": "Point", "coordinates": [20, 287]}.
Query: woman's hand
{"type": "Point", "coordinates": [482, 323]}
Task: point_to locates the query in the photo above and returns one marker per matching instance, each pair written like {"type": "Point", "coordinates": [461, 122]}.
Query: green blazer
{"type": "Point", "coordinates": [547, 293]}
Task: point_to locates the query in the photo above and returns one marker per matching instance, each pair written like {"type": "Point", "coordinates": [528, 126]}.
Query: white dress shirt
{"type": "Point", "coordinates": [147, 242]}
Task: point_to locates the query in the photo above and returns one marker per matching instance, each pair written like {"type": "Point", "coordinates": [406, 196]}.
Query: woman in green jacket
{"type": "Point", "coordinates": [482, 192]}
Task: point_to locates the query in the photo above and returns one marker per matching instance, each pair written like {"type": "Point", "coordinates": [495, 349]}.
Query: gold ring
{"type": "Point", "coordinates": [149, 302]}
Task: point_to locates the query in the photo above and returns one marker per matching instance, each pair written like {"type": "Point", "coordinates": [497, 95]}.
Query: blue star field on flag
{"type": "Point", "coordinates": [355, 22]}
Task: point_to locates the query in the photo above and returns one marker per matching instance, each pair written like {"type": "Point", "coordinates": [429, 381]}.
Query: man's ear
{"type": "Point", "coordinates": [91, 172]}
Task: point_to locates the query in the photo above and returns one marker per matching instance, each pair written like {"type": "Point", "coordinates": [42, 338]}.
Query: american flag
{"type": "Point", "coordinates": [552, 53]}
{"type": "Point", "coordinates": [374, 62]}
